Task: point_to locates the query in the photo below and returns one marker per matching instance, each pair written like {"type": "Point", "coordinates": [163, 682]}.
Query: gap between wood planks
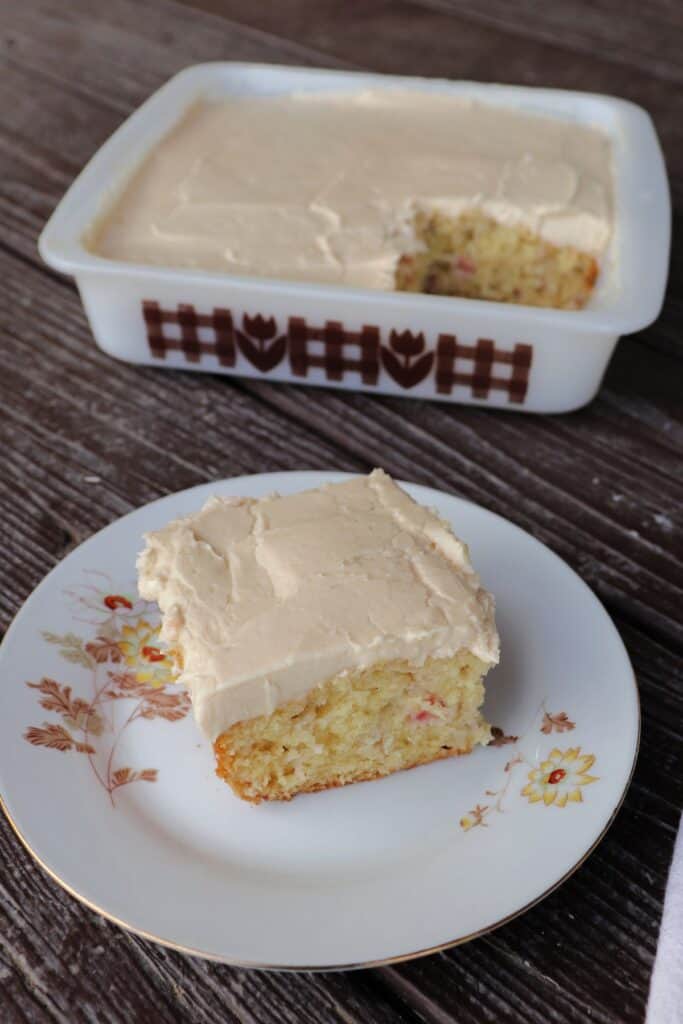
{"type": "Point", "coordinates": [623, 32]}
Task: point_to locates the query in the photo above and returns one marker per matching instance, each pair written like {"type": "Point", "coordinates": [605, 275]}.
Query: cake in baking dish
{"type": "Point", "coordinates": [326, 637]}
{"type": "Point", "coordinates": [385, 189]}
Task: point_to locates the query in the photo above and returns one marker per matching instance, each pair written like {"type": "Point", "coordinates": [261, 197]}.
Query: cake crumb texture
{"type": "Point", "coordinates": [358, 726]}
{"type": "Point", "coordinates": [475, 257]}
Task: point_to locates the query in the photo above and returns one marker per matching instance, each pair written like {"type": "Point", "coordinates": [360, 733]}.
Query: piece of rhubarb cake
{"type": "Point", "coordinates": [325, 637]}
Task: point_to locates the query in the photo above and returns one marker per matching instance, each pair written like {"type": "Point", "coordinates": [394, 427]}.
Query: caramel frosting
{"type": "Point", "coordinates": [265, 599]}
{"type": "Point", "coordinates": [325, 188]}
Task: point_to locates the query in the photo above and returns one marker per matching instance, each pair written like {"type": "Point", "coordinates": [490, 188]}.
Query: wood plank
{"type": "Point", "coordinates": [58, 958]}
{"type": "Point", "coordinates": [642, 37]}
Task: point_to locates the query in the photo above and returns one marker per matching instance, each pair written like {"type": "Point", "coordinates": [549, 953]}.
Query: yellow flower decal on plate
{"type": "Point", "coordinates": [151, 664]}
{"type": "Point", "coordinates": [559, 779]}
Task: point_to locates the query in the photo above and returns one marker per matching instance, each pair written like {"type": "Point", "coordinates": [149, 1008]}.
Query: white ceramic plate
{"type": "Point", "coordinates": [111, 787]}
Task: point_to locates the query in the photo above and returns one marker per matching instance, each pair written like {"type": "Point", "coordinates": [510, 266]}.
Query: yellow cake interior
{"type": "Point", "coordinates": [476, 257]}
{"type": "Point", "coordinates": [362, 725]}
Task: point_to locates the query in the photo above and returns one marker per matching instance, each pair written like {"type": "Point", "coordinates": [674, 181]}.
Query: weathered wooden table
{"type": "Point", "coordinates": [602, 487]}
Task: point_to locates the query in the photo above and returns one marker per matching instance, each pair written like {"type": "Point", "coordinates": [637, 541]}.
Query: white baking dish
{"type": "Point", "coordinates": [463, 350]}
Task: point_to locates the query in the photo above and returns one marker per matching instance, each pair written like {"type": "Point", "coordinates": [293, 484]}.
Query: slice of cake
{"type": "Point", "coordinates": [326, 637]}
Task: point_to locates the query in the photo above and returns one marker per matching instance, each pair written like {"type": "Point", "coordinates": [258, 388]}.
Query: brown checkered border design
{"type": "Point", "coordinates": [404, 356]}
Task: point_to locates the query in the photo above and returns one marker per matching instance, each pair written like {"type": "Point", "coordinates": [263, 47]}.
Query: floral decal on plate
{"type": "Point", "coordinates": [139, 645]}
{"type": "Point", "coordinates": [557, 780]}
{"type": "Point", "coordinates": [129, 677]}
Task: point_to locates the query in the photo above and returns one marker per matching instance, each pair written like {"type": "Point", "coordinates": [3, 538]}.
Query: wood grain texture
{"type": "Point", "coordinates": [84, 439]}
{"type": "Point", "coordinates": [617, 31]}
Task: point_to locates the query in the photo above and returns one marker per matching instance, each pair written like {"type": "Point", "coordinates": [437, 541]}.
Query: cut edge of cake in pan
{"type": "Point", "coordinates": [326, 637]}
{"type": "Point", "coordinates": [474, 256]}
